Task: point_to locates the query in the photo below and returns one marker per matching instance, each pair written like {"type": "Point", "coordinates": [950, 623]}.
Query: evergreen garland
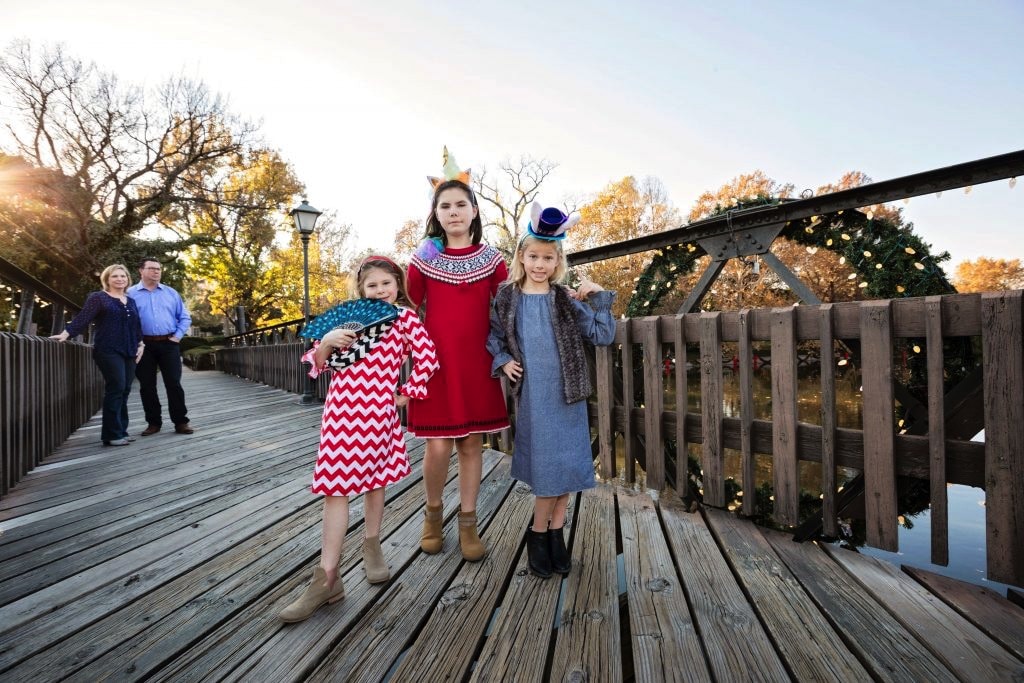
{"type": "Point", "coordinates": [890, 261]}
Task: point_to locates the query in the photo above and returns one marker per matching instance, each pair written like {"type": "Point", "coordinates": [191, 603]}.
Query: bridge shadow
{"type": "Point", "coordinates": [169, 559]}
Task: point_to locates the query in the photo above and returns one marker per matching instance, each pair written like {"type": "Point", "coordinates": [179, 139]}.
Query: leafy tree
{"type": "Point", "coordinates": [746, 187]}
{"type": "Point", "coordinates": [38, 227]}
{"type": "Point", "coordinates": [407, 238]}
{"type": "Point", "coordinates": [330, 281]}
{"type": "Point", "coordinates": [866, 253]}
{"type": "Point", "coordinates": [989, 275]}
{"type": "Point", "coordinates": [623, 210]}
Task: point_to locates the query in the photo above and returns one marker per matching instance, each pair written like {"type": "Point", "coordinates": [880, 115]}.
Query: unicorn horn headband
{"type": "Point", "coordinates": [451, 171]}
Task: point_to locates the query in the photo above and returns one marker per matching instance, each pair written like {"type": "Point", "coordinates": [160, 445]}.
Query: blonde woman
{"type": "Point", "coordinates": [117, 347]}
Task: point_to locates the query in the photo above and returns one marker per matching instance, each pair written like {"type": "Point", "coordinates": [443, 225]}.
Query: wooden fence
{"type": "Point", "coordinates": [881, 449]}
{"type": "Point", "coordinates": [47, 391]}
{"type": "Point", "coordinates": [880, 329]}
{"type": "Point", "coordinates": [271, 359]}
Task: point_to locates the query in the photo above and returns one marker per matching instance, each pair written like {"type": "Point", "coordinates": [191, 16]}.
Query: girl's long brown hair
{"type": "Point", "coordinates": [434, 229]}
{"type": "Point", "coordinates": [388, 266]}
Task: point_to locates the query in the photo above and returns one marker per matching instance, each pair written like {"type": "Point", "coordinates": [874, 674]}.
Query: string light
{"type": "Point", "coordinates": [869, 239]}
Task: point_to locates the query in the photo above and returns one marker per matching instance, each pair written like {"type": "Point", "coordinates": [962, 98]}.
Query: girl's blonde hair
{"type": "Point", "coordinates": [109, 270]}
{"type": "Point", "coordinates": [388, 266]}
{"type": "Point", "coordinates": [518, 273]}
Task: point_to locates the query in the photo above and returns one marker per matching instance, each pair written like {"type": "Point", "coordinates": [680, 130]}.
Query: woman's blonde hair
{"type": "Point", "coordinates": [517, 274]}
{"type": "Point", "coordinates": [108, 271]}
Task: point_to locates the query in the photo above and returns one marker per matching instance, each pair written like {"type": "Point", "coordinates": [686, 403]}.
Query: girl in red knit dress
{"type": "Point", "coordinates": [362, 448]}
{"type": "Point", "coordinates": [454, 277]}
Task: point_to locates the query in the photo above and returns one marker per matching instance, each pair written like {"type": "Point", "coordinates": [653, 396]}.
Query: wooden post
{"type": "Point", "coordinates": [628, 433]}
{"type": "Point", "coordinates": [785, 466]}
{"type": "Point", "coordinates": [606, 409]}
{"type": "Point", "coordinates": [57, 325]}
{"type": "Point", "coordinates": [936, 431]}
{"type": "Point", "coordinates": [682, 399]}
{"type": "Point", "coordinates": [1002, 342]}
{"type": "Point", "coordinates": [747, 462]}
{"type": "Point", "coordinates": [25, 312]}
{"type": "Point", "coordinates": [879, 452]}
{"type": "Point", "coordinates": [712, 456]}
{"type": "Point", "coordinates": [654, 399]}
{"type": "Point", "coordinates": [828, 422]}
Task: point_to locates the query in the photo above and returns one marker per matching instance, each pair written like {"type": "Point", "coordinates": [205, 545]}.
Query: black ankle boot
{"type": "Point", "coordinates": [538, 553]}
{"type": "Point", "coordinates": [560, 560]}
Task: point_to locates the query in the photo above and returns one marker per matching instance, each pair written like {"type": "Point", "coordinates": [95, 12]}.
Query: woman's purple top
{"type": "Point", "coordinates": [118, 329]}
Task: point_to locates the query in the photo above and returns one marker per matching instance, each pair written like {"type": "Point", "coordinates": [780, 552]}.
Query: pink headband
{"type": "Point", "coordinates": [377, 257]}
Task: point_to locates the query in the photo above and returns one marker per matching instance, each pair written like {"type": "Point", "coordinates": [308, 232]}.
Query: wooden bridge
{"type": "Point", "coordinates": [169, 560]}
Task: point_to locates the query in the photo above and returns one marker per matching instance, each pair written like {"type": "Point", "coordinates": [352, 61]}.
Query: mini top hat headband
{"type": "Point", "coordinates": [451, 171]}
{"type": "Point", "coordinates": [549, 224]}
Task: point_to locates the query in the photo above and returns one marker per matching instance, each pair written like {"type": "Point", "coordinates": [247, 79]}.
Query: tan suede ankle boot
{"type": "Point", "coordinates": [472, 547]}
{"type": "Point", "coordinates": [373, 561]}
{"type": "Point", "coordinates": [433, 521]}
{"type": "Point", "coordinates": [317, 594]}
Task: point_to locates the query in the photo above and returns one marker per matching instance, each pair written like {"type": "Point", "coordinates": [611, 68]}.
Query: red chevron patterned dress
{"type": "Point", "coordinates": [361, 443]}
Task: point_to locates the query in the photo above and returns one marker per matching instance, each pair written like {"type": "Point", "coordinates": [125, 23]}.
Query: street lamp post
{"type": "Point", "coordinates": [305, 217]}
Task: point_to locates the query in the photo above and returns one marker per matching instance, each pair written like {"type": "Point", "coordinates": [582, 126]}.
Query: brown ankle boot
{"type": "Point", "coordinates": [317, 594]}
{"type": "Point", "coordinates": [373, 561]}
{"type": "Point", "coordinates": [433, 520]}
{"type": "Point", "coordinates": [472, 547]}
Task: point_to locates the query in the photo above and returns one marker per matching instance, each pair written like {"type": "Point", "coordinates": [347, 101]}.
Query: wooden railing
{"type": "Point", "coordinates": [47, 391]}
{"type": "Point", "coordinates": [271, 359]}
{"type": "Point", "coordinates": [28, 290]}
{"type": "Point", "coordinates": [879, 328]}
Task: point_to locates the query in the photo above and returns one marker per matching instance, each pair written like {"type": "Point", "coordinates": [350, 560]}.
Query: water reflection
{"type": "Point", "coordinates": [966, 504]}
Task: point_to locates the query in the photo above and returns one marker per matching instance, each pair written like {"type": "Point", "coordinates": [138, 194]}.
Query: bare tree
{"type": "Point", "coordinates": [509, 196]}
{"type": "Point", "coordinates": [125, 148]}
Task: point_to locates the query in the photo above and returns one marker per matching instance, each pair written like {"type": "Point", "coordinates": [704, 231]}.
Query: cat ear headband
{"type": "Point", "coordinates": [549, 224]}
{"type": "Point", "coordinates": [451, 171]}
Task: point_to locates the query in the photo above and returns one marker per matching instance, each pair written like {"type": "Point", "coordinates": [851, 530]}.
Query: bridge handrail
{"type": "Point", "coordinates": [48, 390]}
{"type": "Point", "coordinates": [879, 450]}
{"type": "Point", "coordinates": [31, 288]}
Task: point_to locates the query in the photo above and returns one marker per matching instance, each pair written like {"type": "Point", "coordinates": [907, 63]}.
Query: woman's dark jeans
{"type": "Point", "coordinates": [118, 371]}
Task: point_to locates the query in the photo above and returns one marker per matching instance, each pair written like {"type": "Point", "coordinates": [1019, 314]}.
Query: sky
{"type": "Point", "coordinates": [361, 96]}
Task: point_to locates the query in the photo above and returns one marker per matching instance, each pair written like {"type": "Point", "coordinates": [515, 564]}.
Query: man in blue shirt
{"type": "Point", "coordinates": [164, 322]}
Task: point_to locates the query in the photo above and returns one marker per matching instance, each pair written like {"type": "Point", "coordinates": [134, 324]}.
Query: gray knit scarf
{"type": "Point", "coordinates": [575, 376]}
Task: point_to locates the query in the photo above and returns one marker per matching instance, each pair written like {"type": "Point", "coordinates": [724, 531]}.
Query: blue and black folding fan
{"type": "Point", "coordinates": [357, 315]}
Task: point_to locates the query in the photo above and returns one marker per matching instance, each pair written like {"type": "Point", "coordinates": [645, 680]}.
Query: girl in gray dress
{"type": "Point", "coordinates": [537, 335]}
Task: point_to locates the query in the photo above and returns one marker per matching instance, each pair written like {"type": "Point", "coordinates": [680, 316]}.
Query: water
{"type": "Point", "coordinates": [966, 540]}
{"type": "Point", "coordinates": [966, 504]}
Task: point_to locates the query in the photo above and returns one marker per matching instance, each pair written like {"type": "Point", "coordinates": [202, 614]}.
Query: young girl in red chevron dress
{"type": "Point", "coordinates": [362, 448]}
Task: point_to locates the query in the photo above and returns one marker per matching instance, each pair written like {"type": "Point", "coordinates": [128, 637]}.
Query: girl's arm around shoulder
{"type": "Point", "coordinates": [417, 344]}
{"type": "Point", "coordinates": [497, 344]}
{"type": "Point", "coordinates": [499, 277]}
{"type": "Point", "coordinates": [596, 322]}
{"type": "Point", "coordinates": [415, 285]}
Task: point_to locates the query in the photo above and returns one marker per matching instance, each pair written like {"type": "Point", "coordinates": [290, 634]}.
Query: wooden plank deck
{"type": "Point", "coordinates": [168, 560]}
